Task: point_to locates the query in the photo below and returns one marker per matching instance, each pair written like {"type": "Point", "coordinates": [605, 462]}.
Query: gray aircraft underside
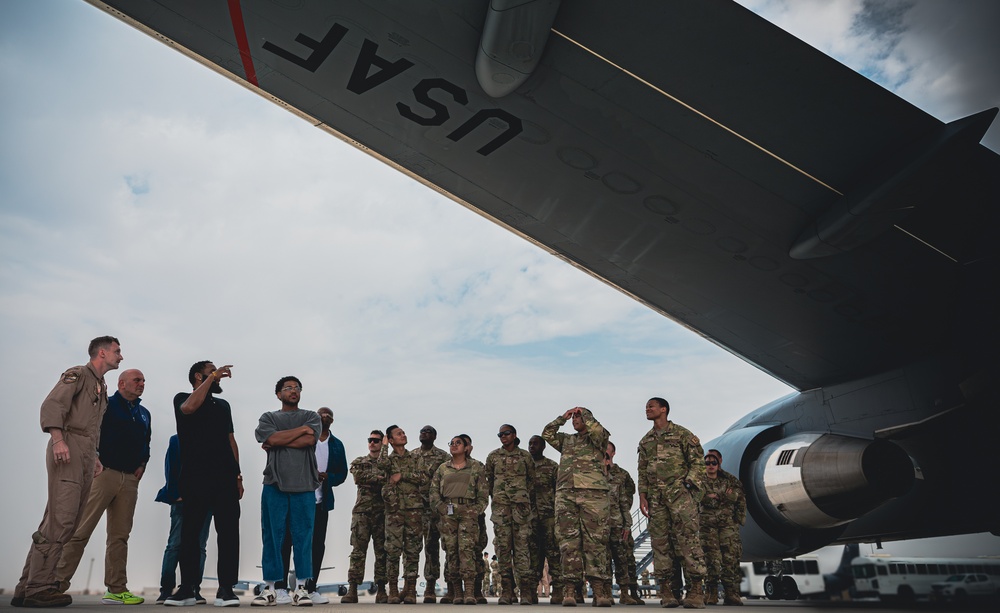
{"type": "Point", "coordinates": [716, 169]}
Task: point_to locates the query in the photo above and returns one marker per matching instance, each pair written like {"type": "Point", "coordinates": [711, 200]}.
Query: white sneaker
{"type": "Point", "coordinates": [282, 597]}
{"type": "Point", "coordinates": [318, 598]}
{"type": "Point", "coordinates": [266, 598]}
{"type": "Point", "coordinates": [300, 598]}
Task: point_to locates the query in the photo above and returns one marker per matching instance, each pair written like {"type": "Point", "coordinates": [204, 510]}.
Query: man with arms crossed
{"type": "Point", "coordinates": [288, 498]}
{"type": "Point", "coordinates": [368, 521]}
{"type": "Point", "coordinates": [71, 414]}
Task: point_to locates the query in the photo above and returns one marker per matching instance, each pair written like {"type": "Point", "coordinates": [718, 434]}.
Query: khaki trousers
{"type": "Point", "coordinates": [116, 493]}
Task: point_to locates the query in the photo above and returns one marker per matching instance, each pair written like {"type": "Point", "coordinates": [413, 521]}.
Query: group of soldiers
{"type": "Point", "coordinates": [572, 516]}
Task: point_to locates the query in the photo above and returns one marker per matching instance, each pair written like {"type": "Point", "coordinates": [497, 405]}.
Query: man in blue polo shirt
{"type": "Point", "coordinates": [124, 451]}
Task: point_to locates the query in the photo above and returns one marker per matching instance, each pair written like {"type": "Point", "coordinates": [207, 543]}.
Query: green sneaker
{"type": "Point", "coordinates": [125, 597]}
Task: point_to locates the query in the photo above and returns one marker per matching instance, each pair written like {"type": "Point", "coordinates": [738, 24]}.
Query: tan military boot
{"type": "Point", "coordinates": [732, 598]}
{"type": "Point", "coordinates": [506, 591]}
{"type": "Point", "coordinates": [394, 592]}
{"type": "Point", "coordinates": [634, 592]}
{"type": "Point", "coordinates": [470, 590]}
{"type": "Point", "coordinates": [695, 598]}
{"type": "Point", "coordinates": [602, 591]}
{"type": "Point", "coordinates": [449, 595]}
{"type": "Point", "coordinates": [527, 593]}
{"type": "Point", "coordinates": [555, 593]}
{"type": "Point", "coordinates": [352, 594]}
{"type": "Point", "coordinates": [667, 598]}
{"type": "Point", "coordinates": [430, 597]}
{"type": "Point", "coordinates": [569, 595]}
{"type": "Point", "coordinates": [381, 597]}
{"type": "Point", "coordinates": [459, 592]}
{"type": "Point", "coordinates": [409, 591]}
{"type": "Point", "coordinates": [624, 597]}
{"type": "Point", "coordinates": [711, 593]}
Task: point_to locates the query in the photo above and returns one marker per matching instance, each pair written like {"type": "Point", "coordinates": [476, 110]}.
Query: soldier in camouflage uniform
{"type": "Point", "coordinates": [367, 520]}
{"type": "Point", "coordinates": [620, 494]}
{"type": "Point", "coordinates": [582, 506]}
{"type": "Point", "coordinates": [510, 472]}
{"type": "Point", "coordinates": [671, 475]}
{"type": "Point", "coordinates": [432, 457]}
{"type": "Point", "coordinates": [723, 511]}
{"type": "Point", "coordinates": [482, 571]}
{"type": "Point", "coordinates": [458, 494]}
{"type": "Point", "coordinates": [404, 514]}
{"type": "Point", "coordinates": [544, 545]}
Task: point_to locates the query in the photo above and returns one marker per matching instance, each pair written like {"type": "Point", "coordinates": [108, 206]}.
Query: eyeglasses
{"type": "Point", "coordinates": [374, 440]}
{"type": "Point", "coordinates": [711, 463]}
{"type": "Point", "coordinates": [291, 388]}
{"type": "Point", "coordinates": [455, 442]}
{"type": "Point", "coordinates": [504, 433]}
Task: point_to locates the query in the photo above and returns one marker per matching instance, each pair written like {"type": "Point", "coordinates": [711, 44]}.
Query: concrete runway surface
{"type": "Point", "coordinates": [367, 604]}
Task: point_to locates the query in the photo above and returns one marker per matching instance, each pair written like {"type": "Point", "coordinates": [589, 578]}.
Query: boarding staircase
{"type": "Point", "coordinates": [643, 548]}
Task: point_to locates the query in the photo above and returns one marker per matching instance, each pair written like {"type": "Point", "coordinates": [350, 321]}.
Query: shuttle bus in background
{"type": "Point", "coordinates": [910, 578]}
{"type": "Point", "coordinates": [797, 577]}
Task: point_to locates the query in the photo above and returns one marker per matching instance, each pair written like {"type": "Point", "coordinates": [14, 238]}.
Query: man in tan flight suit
{"type": "Point", "coordinates": [71, 414]}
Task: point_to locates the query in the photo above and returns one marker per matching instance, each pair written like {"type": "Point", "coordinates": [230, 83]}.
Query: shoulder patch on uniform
{"type": "Point", "coordinates": [695, 440]}
{"type": "Point", "coordinates": [70, 377]}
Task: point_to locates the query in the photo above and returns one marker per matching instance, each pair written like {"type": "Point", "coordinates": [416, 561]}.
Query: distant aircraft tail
{"type": "Point", "coordinates": [842, 578]}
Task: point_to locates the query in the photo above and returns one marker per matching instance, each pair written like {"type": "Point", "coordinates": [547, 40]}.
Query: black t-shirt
{"type": "Point", "coordinates": [206, 454]}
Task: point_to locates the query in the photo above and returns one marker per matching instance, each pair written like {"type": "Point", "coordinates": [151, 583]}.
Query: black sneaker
{"type": "Point", "coordinates": [183, 597]}
{"type": "Point", "coordinates": [198, 598]}
{"type": "Point", "coordinates": [164, 594]}
{"type": "Point", "coordinates": [226, 598]}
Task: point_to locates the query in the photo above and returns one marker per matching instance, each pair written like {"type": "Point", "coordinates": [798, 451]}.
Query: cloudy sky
{"type": "Point", "coordinates": [141, 195]}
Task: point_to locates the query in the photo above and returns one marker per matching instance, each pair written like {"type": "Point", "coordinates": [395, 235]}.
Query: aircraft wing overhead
{"type": "Point", "coordinates": [690, 154]}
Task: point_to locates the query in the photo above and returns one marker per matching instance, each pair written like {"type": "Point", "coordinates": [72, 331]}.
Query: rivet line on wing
{"type": "Point", "coordinates": [699, 113]}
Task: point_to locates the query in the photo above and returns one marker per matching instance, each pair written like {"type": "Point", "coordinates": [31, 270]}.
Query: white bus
{"type": "Point", "coordinates": [906, 578]}
{"type": "Point", "coordinates": [798, 577]}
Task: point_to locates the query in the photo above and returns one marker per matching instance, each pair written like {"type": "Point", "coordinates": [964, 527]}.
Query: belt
{"type": "Point", "coordinates": [459, 500]}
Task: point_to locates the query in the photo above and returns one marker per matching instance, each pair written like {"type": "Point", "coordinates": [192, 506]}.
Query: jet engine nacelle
{"type": "Point", "coordinates": [818, 481]}
{"type": "Point", "coordinates": [803, 490]}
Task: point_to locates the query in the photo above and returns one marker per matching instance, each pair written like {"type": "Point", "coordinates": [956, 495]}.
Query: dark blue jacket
{"type": "Point", "coordinates": [125, 433]}
{"type": "Point", "coordinates": [336, 469]}
{"type": "Point", "coordinates": [170, 492]}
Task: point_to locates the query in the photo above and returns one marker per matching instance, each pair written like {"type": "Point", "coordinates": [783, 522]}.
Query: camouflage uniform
{"type": "Point", "coordinates": [621, 495]}
{"type": "Point", "coordinates": [404, 513]}
{"type": "Point", "coordinates": [511, 478]}
{"type": "Point", "coordinates": [432, 458]}
{"type": "Point", "coordinates": [667, 460]}
{"type": "Point", "coordinates": [367, 519]}
{"type": "Point", "coordinates": [721, 518]}
{"type": "Point", "coordinates": [458, 496]}
{"type": "Point", "coordinates": [544, 544]}
{"type": "Point", "coordinates": [582, 507]}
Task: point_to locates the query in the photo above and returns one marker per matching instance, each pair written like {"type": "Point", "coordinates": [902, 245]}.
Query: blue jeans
{"type": "Point", "coordinates": [168, 577]}
{"type": "Point", "coordinates": [297, 511]}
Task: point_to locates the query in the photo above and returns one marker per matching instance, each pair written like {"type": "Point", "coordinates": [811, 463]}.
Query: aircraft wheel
{"type": "Point", "coordinates": [789, 589]}
{"type": "Point", "coordinates": [342, 590]}
{"type": "Point", "coordinates": [772, 589]}
{"type": "Point", "coordinates": [372, 588]}
{"type": "Point", "coordinates": [256, 590]}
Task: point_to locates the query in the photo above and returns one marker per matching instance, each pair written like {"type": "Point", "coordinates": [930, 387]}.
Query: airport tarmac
{"type": "Point", "coordinates": [368, 605]}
